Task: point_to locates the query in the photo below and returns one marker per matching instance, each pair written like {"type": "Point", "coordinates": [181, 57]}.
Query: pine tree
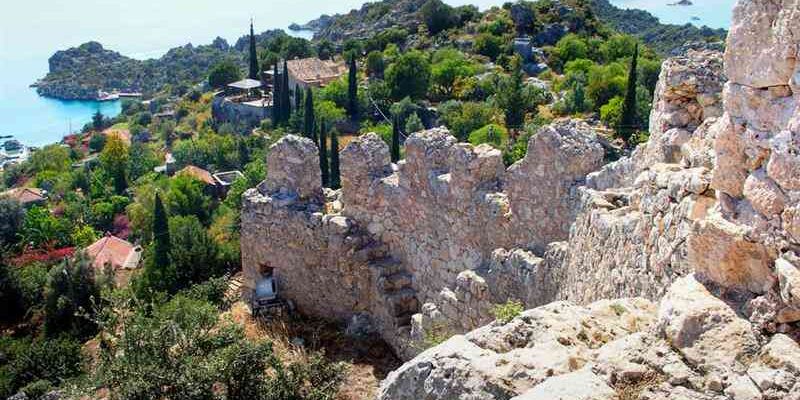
{"type": "Point", "coordinates": [512, 96]}
{"type": "Point", "coordinates": [276, 96]}
{"type": "Point", "coordinates": [395, 139]}
{"type": "Point", "coordinates": [579, 98]}
{"type": "Point", "coordinates": [629, 122]}
{"type": "Point", "coordinates": [308, 115]}
{"type": "Point", "coordinates": [286, 101]}
{"type": "Point", "coordinates": [352, 90]}
{"type": "Point", "coordinates": [323, 155]}
{"type": "Point", "coordinates": [161, 244]}
{"type": "Point", "coordinates": [253, 54]}
{"type": "Point", "coordinates": [336, 175]}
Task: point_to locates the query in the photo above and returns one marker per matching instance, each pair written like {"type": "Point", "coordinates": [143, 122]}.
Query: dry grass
{"type": "Point", "coordinates": [370, 360]}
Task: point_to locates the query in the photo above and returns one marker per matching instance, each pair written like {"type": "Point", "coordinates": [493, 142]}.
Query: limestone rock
{"type": "Point", "coordinates": [720, 251]}
{"type": "Point", "coordinates": [578, 385]}
{"type": "Point", "coordinates": [788, 281]}
{"type": "Point", "coordinates": [708, 332]}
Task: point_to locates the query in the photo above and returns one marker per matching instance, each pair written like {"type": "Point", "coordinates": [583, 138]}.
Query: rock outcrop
{"type": "Point", "coordinates": [701, 219]}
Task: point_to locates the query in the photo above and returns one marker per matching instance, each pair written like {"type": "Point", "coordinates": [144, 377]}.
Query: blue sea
{"type": "Point", "coordinates": [32, 30]}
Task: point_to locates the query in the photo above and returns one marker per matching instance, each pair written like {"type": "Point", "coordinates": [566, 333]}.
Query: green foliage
{"type": "Point", "coordinates": [414, 124]}
{"type": "Point", "coordinates": [36, 363]}
{"type": "Point", "coordinates": [375, 64]}
{"type": "Point", "coordinates": [507, 311]}
{"type": "Point", "coordinates": [493, 134]}
{"type": "Point", "coordinates": [70, 298]}
{"type": "Point", "coordinates": [10, 295]}
{"type": "Point", "coordinates": [180, 349]}
{"type": "Point", "coordinates": [114, 160]}
{"type": "Point", "coordinates": [84, 235]}
{"type": "Point", "coordinates": [449, 66]}
{"type": "Point", "coordinates": [324, 166]}
{"type": "Point", "coordinates": [98, 121]}
{"type": "Point", "coordinates": [409, 75]}
{"type": "Point", "coordinates": [186, 197]}
{"type": "Point", "coordinates": [161, 238]}
{"type": "Point", "coordinates": [611, 113]}
{"type": "Point", "coordinates": [336, 174]}
{"type": "Point", "coordinates": [570, 47]}
{"type": "Point", "coordinates": [489, 45]}
{"type": "Point", "coordinates": [52, 157]}
{"type": "Point", "coordinates": [511, 98]}
{"type": "Point", "coordinates": [223, 73]}
{"type": "Point", "coordinates": [462, 118]}
{"type": "Point", "coordinates": [141, 161]}
{"type": "Point", "coordinates": [438, 16]}
{"type": "Point", "coordinates": [395, 144]}
{"type": "Point", "coordinates": [193, 254]}
{"type": "Point", "coordinates": [42, 229]}
{"type": "Point", "coordinates": [352, 89]}
{"type": "Point", "coordinates": [12, 215]}
{"type": "Point", "coordinates": [96, 142]}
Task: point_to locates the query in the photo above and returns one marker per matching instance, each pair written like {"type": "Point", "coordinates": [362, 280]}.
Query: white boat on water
{"type": "Point", "coordinates": [105, 96]}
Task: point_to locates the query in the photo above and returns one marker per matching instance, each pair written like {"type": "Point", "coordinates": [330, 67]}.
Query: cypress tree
{"type": "Point", "coordinates": [323, 155]}
{"type": "Point", "coordinates": [308, 115]}
{"type": "Point", "coordinates": [395, 153]}
{"type": "Point", "coordinates": [514, 107]}
{"type": "Point", "coordinates": [161, 244]}
{"type": "Point", "coordinates": [629, 122]}
{"type": "Point", "coordinates": [253, 55]}
{"type": "Point", "coordinates": [298, 98]}
{"type": "Point", "coordinates": [352, 89]}
{"type": "Point", "coordinates": [286, 102]}
{"type": "Point", "coordinates": [276, 96]}
{"type": "Point", "coordinates": [336, 175]}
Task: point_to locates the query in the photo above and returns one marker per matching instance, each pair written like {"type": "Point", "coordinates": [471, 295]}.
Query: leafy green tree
{"type": "Point", "coordinates": [114, 159]}
{"type": "Point", "coordinates": [336, 173]}
{"type": "Point", "coordinates": [409, 76]}
{"type": "Point", "coordinates": [84, 235]}
{"type": "Point", "coordinates": [375, 64]}
{"type": "Point", "coordinates": [141, 161]}
{"type": "Point", "coordinates": [42, 229]}
{"type": "Point", "coordinates": [611, 112]}
{"type": "Point", "coordinates": [34, 366]}
{"type": "Point", "coordinates": [511, 98]}
{"type": "Point", "coordinates": [98, 121]}
{"type": "Point", "coordinates": [570, 47]}
{"type": "Point", "coordinates": [323, 155]}
{"type": "Point", "coordinates": [395, 149]}
{"type": "Point", "coordinates": [325, 49]}
{"type": "Point", "coordinates": [449, 65]}
{"type": "Point", "coordinates": [464, 117]}
{"type": "Point", "coordinates": [52, 157]}
{"type": "Point", "coordinates": [489, 45]}
{"type": "Point", "coordinates": [193, 253]}
{"type": "Point", "coordinates": [186, 197]}
{"type": "Point", "coordinates": [224, 73]}
{"type": "Point", "coordinates": [352, 89]}
{"type": "Point", "coordinates": [414, 124]}
{"type": "Point", "coordinates": [437, 16]}
{"type": "Point", "coordinates": [96, 142]}
{"type": "Point", "coordinates": [12, 215]}
{"type": "Point", "coordinates": [253, 56]}
{"type": "Point", "coordinates": [630, 123]}
{"type": "Point", "coordinates": [70, 298]}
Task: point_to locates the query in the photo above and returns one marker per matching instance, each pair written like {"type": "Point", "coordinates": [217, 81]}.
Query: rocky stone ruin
{"type": "Point", "coordinates": [697, 234]}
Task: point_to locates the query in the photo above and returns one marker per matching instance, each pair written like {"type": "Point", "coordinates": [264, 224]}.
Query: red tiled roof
{"type": "Point", "coordinates": [25, 195]}
{"type": "Point", "coordinates": [199, 174]}
{"type": "Point", "coordinates": [114, 251]}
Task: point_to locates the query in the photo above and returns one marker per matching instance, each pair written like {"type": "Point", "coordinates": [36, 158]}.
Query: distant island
{"type": "Point", "coordinates": [681, 3]}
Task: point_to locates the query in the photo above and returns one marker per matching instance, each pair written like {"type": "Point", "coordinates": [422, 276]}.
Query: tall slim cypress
{"type": "Point", "coordinates": [298, 98]}
{"type": "Point", "coordinates": [352, 89]}
{"type": "Point", "coordinates": [629, 122]}
{"type": "Point", "coordinates": [308, 115]}
{"type": "Point", "coordinates": [276, 96]}
{"type": "Point", "coordinates": [161, 242]}
{"type": "Point", "coordinates": [253, 54]}
{"type": "Point", "coordinates": [515, 107]}
{"type": "Point", "coordinates": [286, 102]}
{"type": "Point", "coordinates": [336, 175]}
{"type": "Point", "coordinates": [323, 155]}
{"type": "Point", "coordinates": [395, 153]}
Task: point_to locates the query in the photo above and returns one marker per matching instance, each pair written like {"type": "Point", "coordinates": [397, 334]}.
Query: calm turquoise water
{"type": "Point", "coordinates": [32, 30]}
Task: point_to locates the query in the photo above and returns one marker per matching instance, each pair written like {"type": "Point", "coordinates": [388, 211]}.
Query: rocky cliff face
{"type": "Point", "coordinates": [702, 220]}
